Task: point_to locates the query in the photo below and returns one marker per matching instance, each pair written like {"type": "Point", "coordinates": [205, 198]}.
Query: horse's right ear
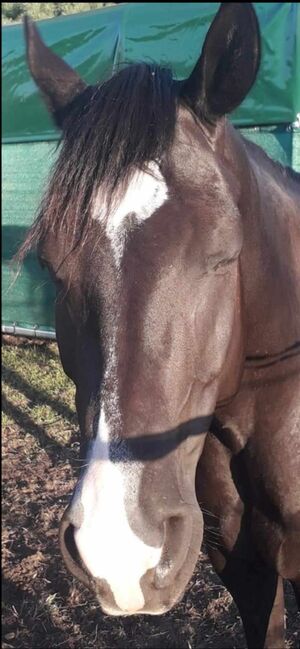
{"type": "Point", "coordinates": [59, 83]}
{"type": "Point", "coordinates": [228, 64]}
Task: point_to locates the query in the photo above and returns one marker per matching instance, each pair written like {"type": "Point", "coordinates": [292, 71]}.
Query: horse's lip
{"type": "Point", "coordinates": [143, 611]}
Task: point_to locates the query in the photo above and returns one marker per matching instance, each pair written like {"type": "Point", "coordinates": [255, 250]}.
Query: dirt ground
{"type": "Point", "coordinates": [43, 607]}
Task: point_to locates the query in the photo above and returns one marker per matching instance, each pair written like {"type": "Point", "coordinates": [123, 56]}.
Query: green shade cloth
{"type": "Point", "coordinates": [171, 34]}
{"type": "Point", "coordinates": [94, 43]}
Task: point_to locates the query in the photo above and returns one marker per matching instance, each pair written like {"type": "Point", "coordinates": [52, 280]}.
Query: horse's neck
{"type": "Point", "coordinates": [270, 260]}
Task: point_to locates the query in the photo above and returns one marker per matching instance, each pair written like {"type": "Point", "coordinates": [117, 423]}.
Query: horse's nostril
{"type": "Point", "coordinates": [178, 531]}
{"type": "Point", "coordinates": [69, 551]}
{"type": "Point", "coordinates": [164, 574]}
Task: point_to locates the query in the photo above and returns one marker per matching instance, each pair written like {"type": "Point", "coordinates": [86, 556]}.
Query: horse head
{"type": "Point", "coordinates": [141, 231]}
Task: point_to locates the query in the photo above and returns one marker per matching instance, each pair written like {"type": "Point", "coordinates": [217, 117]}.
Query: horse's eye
{"type": "Point", "coordinates": [54, 277]}
{"type": "Point", "coordinates": [42, 262]}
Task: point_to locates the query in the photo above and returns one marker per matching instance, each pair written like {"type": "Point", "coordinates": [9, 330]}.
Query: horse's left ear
{"type": "Point", "coordinates": [59, 83]}
{"type": "Point", "coordinates": [228, 64]}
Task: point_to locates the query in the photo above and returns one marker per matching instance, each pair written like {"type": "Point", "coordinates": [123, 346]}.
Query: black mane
{"type": "Point", "coordinates": [111, 129]}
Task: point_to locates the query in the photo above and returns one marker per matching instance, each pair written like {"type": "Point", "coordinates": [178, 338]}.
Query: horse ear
{"type": "Point", "coordinates": [228, 64]}
{"type": "Point", "coordinates": [59, 83]}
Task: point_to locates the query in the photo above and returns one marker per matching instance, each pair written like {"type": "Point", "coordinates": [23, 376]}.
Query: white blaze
{"type": "Point", "coordinates": [146, 192]}
{"type": "Point", "coordinates": [105, 540]}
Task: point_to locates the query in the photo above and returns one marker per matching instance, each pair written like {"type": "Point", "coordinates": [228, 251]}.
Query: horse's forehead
{"type": "Point", "coordinates": [145, 193]}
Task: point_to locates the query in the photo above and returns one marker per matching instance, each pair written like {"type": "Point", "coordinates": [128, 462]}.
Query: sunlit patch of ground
{"type": "Point", "coordinates": [43, 606]}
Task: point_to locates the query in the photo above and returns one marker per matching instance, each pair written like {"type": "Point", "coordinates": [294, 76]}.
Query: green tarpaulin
{"type": "Point", "coordinates": [95, 43]}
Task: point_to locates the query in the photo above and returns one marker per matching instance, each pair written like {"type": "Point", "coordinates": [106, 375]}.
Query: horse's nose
{"type": "Point", "coordinates": [142, 582]}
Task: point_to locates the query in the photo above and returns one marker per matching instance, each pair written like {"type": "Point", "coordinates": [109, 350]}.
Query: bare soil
{"type": "Point", "coordinates": [43, 607]}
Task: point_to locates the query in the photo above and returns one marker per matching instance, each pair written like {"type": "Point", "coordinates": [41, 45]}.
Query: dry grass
{"type": "Point", "coordinates": [43, 607]}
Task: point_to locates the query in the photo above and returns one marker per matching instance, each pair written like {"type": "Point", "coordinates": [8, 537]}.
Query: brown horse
{"type": "Point", "coordinates": [174, 244]}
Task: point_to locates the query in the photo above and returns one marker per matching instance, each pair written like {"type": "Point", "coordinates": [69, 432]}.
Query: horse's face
{"type": "Point", "coordinates": [149, 329]}
{"type": "Point", "coordinates": [151, 309]}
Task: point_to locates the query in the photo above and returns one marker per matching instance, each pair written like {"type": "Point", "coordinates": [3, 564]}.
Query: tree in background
{"type": "Point", "coordinates": [13, 11]}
